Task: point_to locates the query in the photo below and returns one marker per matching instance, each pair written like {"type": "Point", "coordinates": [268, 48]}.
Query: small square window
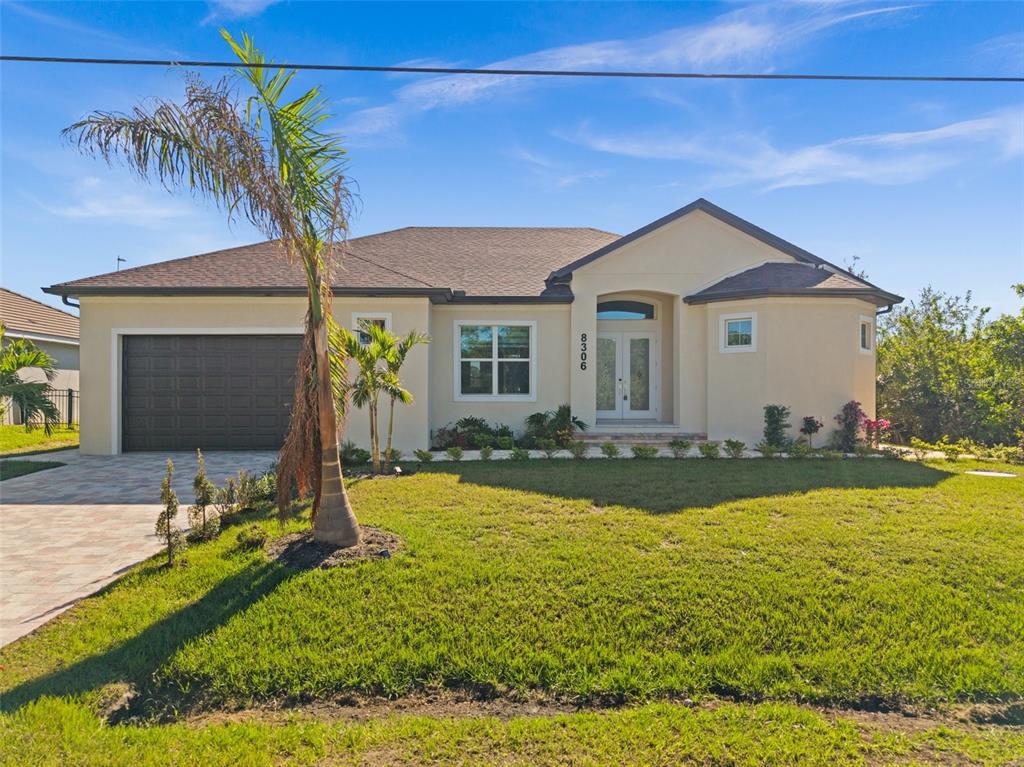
{"type": "Point", "coordinates": [739, 333]}
{"type": "Point", "coordinates": [361, 319]}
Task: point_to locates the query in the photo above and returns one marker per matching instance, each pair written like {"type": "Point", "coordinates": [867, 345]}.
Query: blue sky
{"type": "Point", "coordinates": [923, 182]}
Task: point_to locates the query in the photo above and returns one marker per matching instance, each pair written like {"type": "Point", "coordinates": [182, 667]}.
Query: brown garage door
{"type": "Point", "coordinates": [212, 392]}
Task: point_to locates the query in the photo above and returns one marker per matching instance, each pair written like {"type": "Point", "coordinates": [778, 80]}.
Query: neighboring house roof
{"type": "Point", "coordinates": [469, 264]}
{"type": "Point", "coordinates": [24, 316]}
{"type": "Point", "coordinates": [783, 279]}
{"type": "Point", "coordinates": [481, 261]}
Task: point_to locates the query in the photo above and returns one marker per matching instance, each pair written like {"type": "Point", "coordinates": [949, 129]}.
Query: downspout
{"type": "Point", "coordinates": [68, 302]}
{"type": "Point", "coordinates": [886, 310]}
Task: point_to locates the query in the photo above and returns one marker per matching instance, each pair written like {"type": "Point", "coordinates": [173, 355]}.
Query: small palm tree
{"type": "Point", "coordinates": [268, 160]}
{"type": "Point", "coordinates": [397, 350]}
{"type": "Point", "coordinates": [29, 396]}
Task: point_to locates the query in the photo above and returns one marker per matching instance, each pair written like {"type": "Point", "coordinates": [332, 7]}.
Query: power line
{"type": "Point", "coordinates": [517, 72]}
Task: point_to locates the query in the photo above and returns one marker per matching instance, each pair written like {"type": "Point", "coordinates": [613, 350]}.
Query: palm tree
{"type": "Point", "coordinates": [268, 161]}
{"type": "Point", "coordinates": [29, 396]}
{"type": "Point", "coordinates": [394, 359]}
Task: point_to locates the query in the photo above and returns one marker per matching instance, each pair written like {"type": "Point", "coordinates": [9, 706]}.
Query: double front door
{"type": "Point", "coordinates": [626, 387]}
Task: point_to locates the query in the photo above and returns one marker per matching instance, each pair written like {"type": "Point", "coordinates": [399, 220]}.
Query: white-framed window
{"type": "Point", "coordinates": [737, 332]}
{"type": "Point", "coordinates": [495, 360]}
{"type": "Point", "coordinates": [359, 319]}
{"type": "Point", "coordinates": [866, 335]}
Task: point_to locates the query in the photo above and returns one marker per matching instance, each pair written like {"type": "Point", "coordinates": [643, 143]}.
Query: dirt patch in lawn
{"type": "Point", "coordinates": [300, 551]}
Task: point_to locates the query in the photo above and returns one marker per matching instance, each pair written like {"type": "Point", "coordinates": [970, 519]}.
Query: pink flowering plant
{"type": "Point", "coordinates": [875, 430]}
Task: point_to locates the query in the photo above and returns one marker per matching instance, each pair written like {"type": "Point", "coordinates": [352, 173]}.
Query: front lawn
{"type": "Point", "coordinates": [11, 469]}
{"type": "Point", "coordinates": [14, 440]}
{"type": "Point", "coordinates": [849, 583]}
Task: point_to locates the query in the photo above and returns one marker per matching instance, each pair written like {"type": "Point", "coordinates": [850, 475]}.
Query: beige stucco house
{"type": "Point", "coordinates": [689, 325]}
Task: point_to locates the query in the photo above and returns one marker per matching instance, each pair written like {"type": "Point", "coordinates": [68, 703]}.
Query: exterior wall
{"type": "Point", "coordinates": [674, 261]}
{"type": "Point", "coordinates": [103, 319]}
{"type": "Point", "coordinates": [552, 346]}
{"type": "Point", "coordinates": [808, 358]}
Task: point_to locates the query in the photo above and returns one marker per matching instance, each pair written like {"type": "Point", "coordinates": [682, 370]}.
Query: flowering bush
{"type": "Point", "coordinates": [810, 427]}
{"type": "Point", "coordinates": [875, 430]}
{"type": "Point", "coordinates": [850, 420]}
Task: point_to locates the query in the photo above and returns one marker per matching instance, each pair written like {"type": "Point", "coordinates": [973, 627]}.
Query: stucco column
{"type": "Point", "coordinates": [583, 352]}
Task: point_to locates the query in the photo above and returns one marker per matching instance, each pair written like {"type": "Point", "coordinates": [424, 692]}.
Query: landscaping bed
{"type": "Point", "coordinates": [10, 469]}
{"type": "Point", "coordinates": [615, 588]}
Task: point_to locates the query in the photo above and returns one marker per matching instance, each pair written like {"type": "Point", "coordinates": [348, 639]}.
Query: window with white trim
{"type": "Point", "coordinates": [361, 319]}
{"type": "Point", "coordinates": [738, 332]}
{"type": "Point", "coordinates": [867, 335]}
{"type": "Point", "coordinates": [495, 361]}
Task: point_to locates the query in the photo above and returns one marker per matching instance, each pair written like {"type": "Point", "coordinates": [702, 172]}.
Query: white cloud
{"type": "Point", "coordinates": [552, 173]}
{"type": "Point", "coordinates": [880, 158]}
{"type": "Point", "coordinates": [236, 9]}
{"type": "Point", "coordinates": [94, 199]}
{"type": "Point", "coordinates": [751, 36]}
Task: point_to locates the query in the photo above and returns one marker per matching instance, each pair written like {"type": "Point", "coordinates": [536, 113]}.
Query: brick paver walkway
{"type": "Point", "coordinates": [67, 532]}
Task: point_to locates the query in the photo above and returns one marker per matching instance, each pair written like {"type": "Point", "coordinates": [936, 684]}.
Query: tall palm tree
{"type": "Point", "coordinates": [266, 160]}
{"type": "Point", "coordinates": [398, 349]}
{"type": "Point", "coordinates": [29, 396]}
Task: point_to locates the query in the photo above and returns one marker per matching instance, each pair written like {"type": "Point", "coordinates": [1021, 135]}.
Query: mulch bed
{"type": "Point", "coordinates": [300, 551]}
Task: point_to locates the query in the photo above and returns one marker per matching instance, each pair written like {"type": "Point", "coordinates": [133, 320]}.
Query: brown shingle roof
{"type": "Point", "coordinates": [22, 314]}
{"type": "Point", "coordinates": [482, 261]}
{"type": "Point", "coordinates": [785, 279]}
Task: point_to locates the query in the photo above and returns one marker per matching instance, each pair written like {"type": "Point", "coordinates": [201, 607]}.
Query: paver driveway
{"type": "Point", "coordinates": [67, 532]}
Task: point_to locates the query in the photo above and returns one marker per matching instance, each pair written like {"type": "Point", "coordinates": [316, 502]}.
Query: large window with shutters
{"type": "Point", "coordinates": [495, 360]}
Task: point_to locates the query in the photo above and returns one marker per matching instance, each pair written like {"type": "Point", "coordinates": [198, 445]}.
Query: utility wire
{"type": "Point", "coordinates": [516, 72]}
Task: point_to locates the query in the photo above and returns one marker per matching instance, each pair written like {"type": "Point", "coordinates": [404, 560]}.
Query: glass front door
{"type": "Point", "coordinates": [625, 385]}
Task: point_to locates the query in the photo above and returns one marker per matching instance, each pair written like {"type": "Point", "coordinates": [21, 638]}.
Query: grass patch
{"type": "Point", "coordinates": [14, 440]}
{"type": "Point", "coordinates": [11, 469]}
{"type": "Point", "coordinates": [855, 583]}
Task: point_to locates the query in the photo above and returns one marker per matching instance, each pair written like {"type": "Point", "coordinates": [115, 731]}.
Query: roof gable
{"type": "Point", "coordinates": [790, 279]}
{"type": "Point", "coordinates": [23, 315]}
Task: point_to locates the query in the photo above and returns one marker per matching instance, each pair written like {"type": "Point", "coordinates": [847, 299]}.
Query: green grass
{"type": "Point", "coordinates": [14, 440]}
{"type": "Point", "coordinates": [11, 469]}
{"type": "Point", "coordinates": [851, 583]}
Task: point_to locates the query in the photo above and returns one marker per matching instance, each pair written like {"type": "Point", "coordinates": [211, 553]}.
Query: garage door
{"type": "Point", "coordinates": [211, 392]}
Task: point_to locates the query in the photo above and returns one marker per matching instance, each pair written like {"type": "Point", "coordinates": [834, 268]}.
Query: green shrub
{"type": "Point", "coordinates": [486, 451]}
{"type": "Point", "coordinates": [166, 530]}
{"type": "Point", "coordinates": [473, 432]}
{"type": "Point", "coordinates": [800, 449]}
{"type": "Point", "coordinates": [776, 421]}
{"type": "Point", "coordinates": [734, 448]}
{"type": "Point", "coordinates": [246, 491]}
{"type": "Point", "coordinates": [708, 450]}
{"type": "Point", "coordinates": [920, 448]}
{"type": "Point", "coordinates": [226, 499]}
{"type": "Point", "coordinates": [610, 450]}
{"type": "Point", "coordinates": [392, 455]}
{"type": "Point", "coordinates": [423, 456]}
{"type": "Point", "coordinates": [832, 455]}
{"type": "Point", "coordinates": [679, 447]}
{"type": "Point", "coordinates": [578, 449]}
{"type": "Point", "coordinates": [265, 486]}
{"type": "Point", "coordinates": [767, 450]}
{"type": "Point", "coordinates": [549, 447]}
{"type": "Point", "coordinates": [454, 453]}
{"type": "Point", "coordinates": [643, 452]}
{"type": "Point", "coordinates": [352, 455]}
{"type": "Point", "coordinates": [252, 536]}
{"type": "Point", "coordinates": [505, 443]}
{"type": "Point", "coordinates": [863, 450]}
{"type": "Point", "coordinates": [849, 421]}
{"type": "Point", "coordinates": [558, 425]}
{"type": "Point", "coordinates": [952, 450]}
{"type": "Point", "coordinates": [519, 454]}
{"type": "Point", "coordinates": [894, 453]}
{"type": "Point", "coordinates": [202, 515]}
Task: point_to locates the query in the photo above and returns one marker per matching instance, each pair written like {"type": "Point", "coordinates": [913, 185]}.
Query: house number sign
{"type": "Point", "coordinates": [583, 351]}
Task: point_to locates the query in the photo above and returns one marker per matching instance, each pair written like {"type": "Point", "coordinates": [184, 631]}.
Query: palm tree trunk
{"type": "Point", "coordinates": [335, 521]}
{"type": "Point", "coordinates": [374, 437]}
{"type": "Point", "coordinates": [391, 425]}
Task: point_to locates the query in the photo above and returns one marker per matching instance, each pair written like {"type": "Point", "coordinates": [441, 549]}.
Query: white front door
{"type": "Point", "coordinates": [626, 381]}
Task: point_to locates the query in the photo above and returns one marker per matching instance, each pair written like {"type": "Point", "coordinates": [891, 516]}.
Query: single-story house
{"type": "Point", "coordinates": [688, 326]}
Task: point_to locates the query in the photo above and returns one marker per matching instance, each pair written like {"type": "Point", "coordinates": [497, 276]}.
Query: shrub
{"type": "Point", "coordinates": [549, 447]}
{"type": "Point", "coordinates": [166, 529]}
{"type": "Point", "coordinates": [708, 449]}
{"type": "Point", "coordinates": [505, 443]}
{"type": "Point", "coordinates": [454, 453]}
{"type": "Point", "coordinates": [578, 449]}
{"type": "Point", "coordinates": [875, 430]}
{"type": "Point", "coordinates": [226, 500]}
{"type": "Point", "coordinates": [245, 491]}
{"type": "Point", "coordinates": [894, 453]}
{"type": "Point", "coordinates": [679, 447]}
{"type": "Point", "coordinates": [352, 455]}
{"type": "Point", "coordinates": [767, 450]}
{"type": "Point", "coordinates": [486, 451]}
{"type": "Point", "coordinates": [202, 516]}
{"type": "Point", "coordinates": [474, 433]}
{"type": "Point", "coordinates": [850, 419]}
{"type": "Point", "coordinates": [863, 450]}
{"type": "Point", "coordinates": [920, 448]}
{"type": "Point", "coordinates": [810, 426]}
{"type": "Point", "coordinates": [558, 425]}
{"type": "Point", "coordinates": [392, 455]}
{"type": "Point", "coordinates": [952, 450]}
{"type": "Point", "coordinates": [423, 456]}
{"type": "Point", "coordinates": [800, 449]}
{"type": "Point", "coordinates": [266, 485]}
{"type": "Point", "coordinates": [734, 448]}
{"type": "Point", "coordinates": [610, 450]}
{"type": "Point", "coordinates": [831, 455]}
{"type": "Point", "coordinates": [252, 536]}
{"type": "Point", "coordinates": [776, 421]}
{"type": "Point", "coordinates": [519, 454]}
{"type": "Point", "coordinates": [643, 452]}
